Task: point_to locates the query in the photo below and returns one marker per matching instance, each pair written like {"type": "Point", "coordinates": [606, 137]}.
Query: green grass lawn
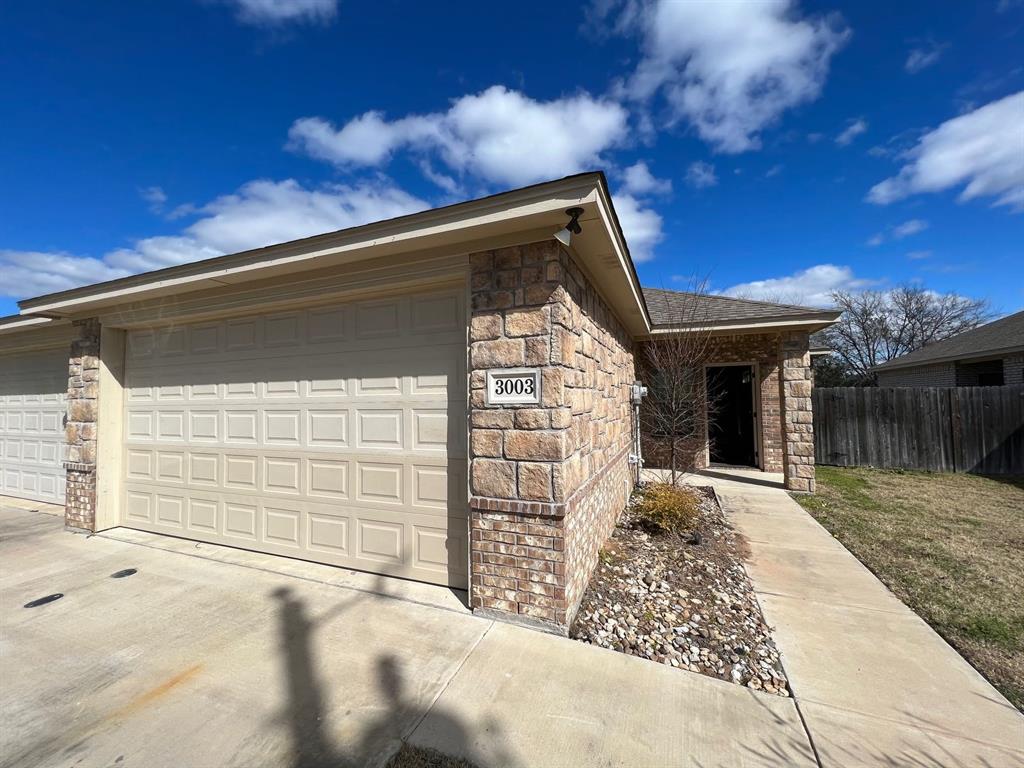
{"type": "Point", "coordinates": [949, 546]}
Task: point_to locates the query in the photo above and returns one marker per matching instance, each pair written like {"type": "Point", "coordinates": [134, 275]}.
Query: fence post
{"type": "Point", "coordinates": [954, 428]}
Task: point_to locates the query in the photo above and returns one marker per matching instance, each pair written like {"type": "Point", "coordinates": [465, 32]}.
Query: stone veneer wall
{"type": "Point", "coordinates": [763, 351]}
{"type": "Point", "coordinates": [547, 482]}
{"type": "Point", "coordinates": [798, 421]}
{"type": "Point", "coordinates": [80, 429]}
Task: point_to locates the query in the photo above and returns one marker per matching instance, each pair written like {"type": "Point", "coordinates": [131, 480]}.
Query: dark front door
{"type": "Point", "coordinates": [731, 415]}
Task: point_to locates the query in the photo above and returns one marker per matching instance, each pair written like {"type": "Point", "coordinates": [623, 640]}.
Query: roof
{"type": "Point", "coordinates": [679, 309]}
{"type": "Point", "coordinates": [1000, 336]}
{"type": "Point", "coordinates": [518, 216]}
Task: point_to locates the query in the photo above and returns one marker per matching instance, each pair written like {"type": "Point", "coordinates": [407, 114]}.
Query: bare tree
{"type": "Point", "coordinates": [676, 409]}
{"type": "Point", "coordinates": [877, 326]}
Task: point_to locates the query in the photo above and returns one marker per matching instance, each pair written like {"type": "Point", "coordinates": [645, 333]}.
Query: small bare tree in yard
{"type": "Point", "coordinates": [878, 326]}
{"type": "Point", "coordinates": [677, 405]}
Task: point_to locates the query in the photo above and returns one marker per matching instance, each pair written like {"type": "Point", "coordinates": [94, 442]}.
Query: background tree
{"type": "Point", "coordinates": [877, 326]}
{"type": "Point", "coordinates": [678, 403]}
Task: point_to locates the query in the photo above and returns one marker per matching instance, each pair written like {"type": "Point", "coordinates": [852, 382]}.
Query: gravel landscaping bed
{"type": "Point", "coordinates": [681, 599]}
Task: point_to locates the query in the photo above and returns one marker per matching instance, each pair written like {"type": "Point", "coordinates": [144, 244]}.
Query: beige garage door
{"type": "Point", "coordinates": [33, 389]}
{"type": "Point", "coordinates": [334, 434]}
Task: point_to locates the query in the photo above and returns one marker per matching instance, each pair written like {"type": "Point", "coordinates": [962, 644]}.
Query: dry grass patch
{"type": "Point", "coordinates": [949, 546]}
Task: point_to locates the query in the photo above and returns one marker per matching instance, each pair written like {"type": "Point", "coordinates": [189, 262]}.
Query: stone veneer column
{"type": "Point", "coordinates": [797, 422]}
{"type": "Point", "coordinates": [547, 481]}
{"type": "Point", "coordinates": [80, 427]}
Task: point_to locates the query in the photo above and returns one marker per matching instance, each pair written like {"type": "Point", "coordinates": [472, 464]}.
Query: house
{"type": "Point", "coordinates": [443, 396]}
{"type": "Point", "coordinates": [990, 355]}
{"type": "Point", "coordinates": [751, 347]}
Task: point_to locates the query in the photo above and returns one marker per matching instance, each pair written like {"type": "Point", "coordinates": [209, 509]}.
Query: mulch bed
{"type": "Point", "coordinates": [681, 600]}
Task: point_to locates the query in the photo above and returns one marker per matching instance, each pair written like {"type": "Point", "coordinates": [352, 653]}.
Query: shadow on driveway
{"type": "Point", "coordinates": [305, 717]}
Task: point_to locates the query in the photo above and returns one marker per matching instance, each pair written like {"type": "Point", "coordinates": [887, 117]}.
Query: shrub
{"type": "Point", "coordinates": [664, 508]}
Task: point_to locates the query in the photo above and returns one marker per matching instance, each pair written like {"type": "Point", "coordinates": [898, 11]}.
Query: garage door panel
{"type": "Point", "coordinates": [332, 448]}
{"type": "Point", "coordinates": [33, 388]}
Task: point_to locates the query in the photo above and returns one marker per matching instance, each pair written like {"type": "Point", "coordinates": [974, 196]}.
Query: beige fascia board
{"type": "Point", "coordinates": [628, 293]}
{"type": "Point", "coordinates": [16, 323]}
{"type": "Point", "coordinates": [534, 208]}
{"type": "Point", "coordinates": [993, 354]}
{"type": "Point", "coordinates": [762, 326]}
{"type": "Point", "coordinates": [33, 333]}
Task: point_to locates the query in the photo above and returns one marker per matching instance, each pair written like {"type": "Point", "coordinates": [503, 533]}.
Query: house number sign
{"type": "Point", "coordinates": [513, 386]}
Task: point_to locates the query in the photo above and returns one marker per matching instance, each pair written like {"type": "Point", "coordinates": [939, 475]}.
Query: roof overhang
{"type": "Point", "coordinates": [524, 215]}
{"type": "Point", "coordinates": [18, 323]}
{"type": "Point", "coordinates": [804, 322]}
{"type": "Point", "coordinates": [19, 333]}
{"type": "Point", "coordinates": [896, 365]}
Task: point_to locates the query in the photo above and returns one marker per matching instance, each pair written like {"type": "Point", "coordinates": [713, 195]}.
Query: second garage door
{"type": "Point", "coordinates": [335, 434]}
{"type": "Point", "coordinates": [32, 402]}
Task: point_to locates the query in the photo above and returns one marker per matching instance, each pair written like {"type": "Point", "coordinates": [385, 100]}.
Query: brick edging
{"type": "Point", "coordinates": [546, 508]}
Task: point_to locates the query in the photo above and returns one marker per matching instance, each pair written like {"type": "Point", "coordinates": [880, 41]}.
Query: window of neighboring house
{"type": "Point", "coordinates": [985, 373]}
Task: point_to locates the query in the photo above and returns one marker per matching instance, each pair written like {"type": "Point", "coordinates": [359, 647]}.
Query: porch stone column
{"type": "Point", "coordinates": [798, 421]}
{"type": "Point", "coordinates": [80, 426]}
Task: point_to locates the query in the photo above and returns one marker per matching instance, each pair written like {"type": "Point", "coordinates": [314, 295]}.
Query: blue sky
{"type": "Point", "coordinates": [779, 149]}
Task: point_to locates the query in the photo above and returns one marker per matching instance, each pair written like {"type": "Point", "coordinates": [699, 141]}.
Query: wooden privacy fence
{"type": "Point", "coordinates": [943, 429]}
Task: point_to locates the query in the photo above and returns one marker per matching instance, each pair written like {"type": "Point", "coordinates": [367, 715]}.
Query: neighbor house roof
{"type": "Point", "coordinates": [1001, 336]}
{"type": "Point", "coordinates": [672, 310]}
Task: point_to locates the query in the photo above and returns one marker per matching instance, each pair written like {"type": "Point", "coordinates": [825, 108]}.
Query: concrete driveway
{"type": "Point", "coordinates": [209, 656]}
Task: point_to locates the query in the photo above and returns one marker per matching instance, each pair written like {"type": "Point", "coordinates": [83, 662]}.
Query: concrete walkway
{"type": "Point", "coordinates": [209, 656]}
{"type": "Point", "coordinates": [875, 685]}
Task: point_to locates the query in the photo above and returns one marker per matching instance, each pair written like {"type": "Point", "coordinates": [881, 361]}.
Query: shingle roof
{"type": "Point", "coordinates": [674, 308]}
{"type": "Point", "coordinates": [1007, 333]}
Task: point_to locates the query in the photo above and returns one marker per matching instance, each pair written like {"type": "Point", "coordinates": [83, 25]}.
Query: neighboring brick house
{"type": "Point", "coordinates": [348, 398]}
{"type": "Point", "coordinates": [989, 355]}
{"type": "Point", "coordinates": [760, 353]}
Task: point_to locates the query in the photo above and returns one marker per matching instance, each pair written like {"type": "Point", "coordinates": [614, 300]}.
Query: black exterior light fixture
{"type": "Point", "coordinates": [564, 235]}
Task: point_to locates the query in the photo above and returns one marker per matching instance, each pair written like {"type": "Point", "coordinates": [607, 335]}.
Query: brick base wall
{"type": "Point", "coordinates": [80, 498]}
{"type": "Point", "coordinates": [938, 375]}
{"type": "Point", "coordinates": [589, 526]}
{"type": "Point", "coordinates": [1013, 369]}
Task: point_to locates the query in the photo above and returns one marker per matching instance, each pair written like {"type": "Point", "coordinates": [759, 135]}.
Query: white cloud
{"type": "Point", "coordinates": [922, 57]}
{"type": "Point", "coordinates": [918, 255]}
{"type": "Point", "coordinates": [899, 231]}
{"type": "Point", "coordinates": [274, 12]}
{"type": "Point", "coordinates": [641, 226]}
{"type": "Point", "coordinates": [775, 170]}
{"type": "Point", "coordinates": [730, 68]}
{"type": "Point", "coordinates": [263, 212]}
{"type": "Point", "coordinates": [260, 213]}
{"type": "Point", "coordinates": [982, 150]}
{"type": "Point", "coordinates": [701, 175]}
{"type": "Point", "coordinates": [908, 228]}
{"type": "Point", "coordinates": [853, 129]}
{"type": "Point", "coordinates": [28, 273]}
{"type": "Point", "coordinates": [811, 286]}
{"type": "Point", "coordinates": [156, 198]}
{"type": "Point", "coordinates": [637, 179]}
{"type": "Point", "coordinates": [499, 136]}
